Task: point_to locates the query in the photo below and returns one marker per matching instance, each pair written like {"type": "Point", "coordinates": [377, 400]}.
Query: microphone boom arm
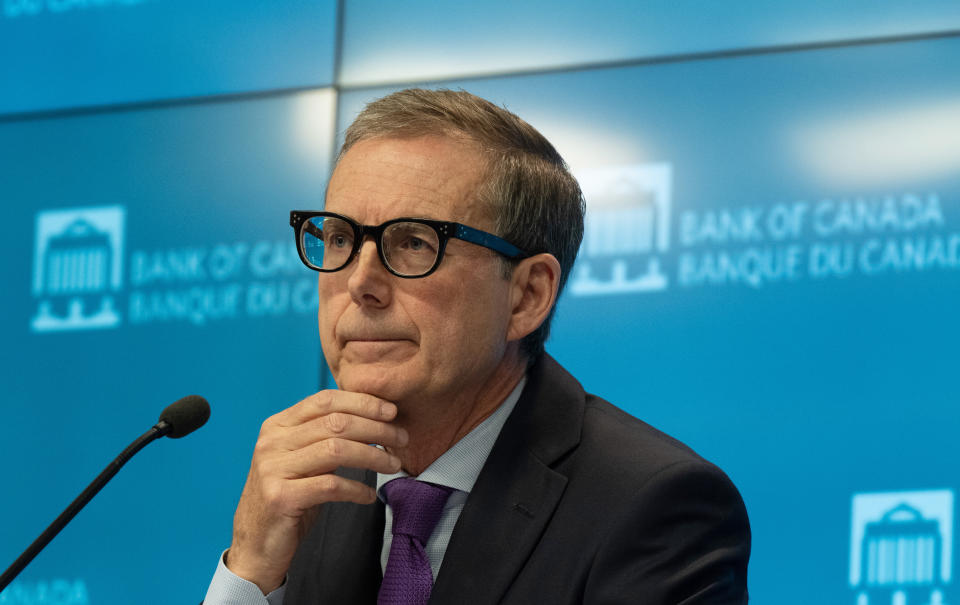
{"type": "Point", "coordinates": [155, 432]}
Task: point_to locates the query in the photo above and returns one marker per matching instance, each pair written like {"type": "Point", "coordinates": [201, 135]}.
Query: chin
{"type": "Point", "coordinates": [386, 382]}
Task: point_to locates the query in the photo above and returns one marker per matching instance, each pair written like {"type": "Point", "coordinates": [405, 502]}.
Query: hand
{"type": "Point", "coordinates": [292, 474]}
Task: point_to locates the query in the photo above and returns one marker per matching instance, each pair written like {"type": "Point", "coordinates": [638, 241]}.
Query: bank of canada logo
{"type": "Point", "coordinates": [77, 268]}
{"type": "Point", "coordinates": [627, 230]}
{"type": "Point", "coordinates": [901, 547]}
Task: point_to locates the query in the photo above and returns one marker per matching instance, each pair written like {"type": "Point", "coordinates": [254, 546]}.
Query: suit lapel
{"type": "Point", "coordinates": [339, 562]}
{"type": "Point", "coordinates": [516, 493]}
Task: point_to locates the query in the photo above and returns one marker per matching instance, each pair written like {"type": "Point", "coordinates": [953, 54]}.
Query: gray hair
{"type": "Point", "coordinates": [535, 201]}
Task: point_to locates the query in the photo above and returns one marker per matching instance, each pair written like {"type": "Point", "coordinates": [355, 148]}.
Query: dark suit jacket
{"type": "Point", "coordinates": [578, 503]}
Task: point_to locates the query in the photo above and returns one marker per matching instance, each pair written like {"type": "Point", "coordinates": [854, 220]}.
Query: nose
{"type": "Point", "coordinates": [369, 281]}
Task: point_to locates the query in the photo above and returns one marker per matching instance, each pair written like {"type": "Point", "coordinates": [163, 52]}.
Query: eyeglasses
{"type": "Point", "coordinates": [408, 247]}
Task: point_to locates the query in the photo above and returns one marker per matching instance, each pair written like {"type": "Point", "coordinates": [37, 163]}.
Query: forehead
{"type": "Point", "coordinates": [429, 177]}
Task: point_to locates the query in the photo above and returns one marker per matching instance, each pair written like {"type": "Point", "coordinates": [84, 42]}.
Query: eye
{"type": "Point", "coordinates": [337, 238]}
{"type": "Point", "coordinates": [411, 238]}
{"type": "Point", "coordinates": [415, 243]}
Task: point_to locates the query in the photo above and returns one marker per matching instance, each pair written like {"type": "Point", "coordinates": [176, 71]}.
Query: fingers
{"type": "Point", "coordinates": [330, 401]}
{"type": "Point", "coordinates": [328, 430]}
{"type": "Point", "coordinates": [289, 498]}
{"type": "Point", "coordinates": [342, 425]}
{"type": "Point", "coordinates": [292, 472]}
{"type": "Point", "coordinates": [327, 455]}
{"type": "Point", "coordinates": [331, 488]}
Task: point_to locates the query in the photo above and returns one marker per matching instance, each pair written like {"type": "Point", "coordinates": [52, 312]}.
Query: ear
{"type": "Point", "coordinates": [533, 292]}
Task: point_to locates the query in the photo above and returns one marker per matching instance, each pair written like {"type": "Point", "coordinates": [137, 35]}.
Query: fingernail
{"type": "Point", "coordinates": [387, 410]}
{"type": "Point", "coordinates": [395, 462]}
{"type": "Point", "coordinates": [403, 437]}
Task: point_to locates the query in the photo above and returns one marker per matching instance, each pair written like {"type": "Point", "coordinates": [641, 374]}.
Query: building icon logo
{"type": "Point", "coordinates": [78, 268]}
{"type": "Point", "coordinates": [627, 230]}
{"type": "Point", "coordinates": [901, 548]}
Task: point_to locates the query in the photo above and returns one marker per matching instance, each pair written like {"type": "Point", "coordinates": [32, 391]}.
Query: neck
{"type": "Point", "coordinates": [448, 421]}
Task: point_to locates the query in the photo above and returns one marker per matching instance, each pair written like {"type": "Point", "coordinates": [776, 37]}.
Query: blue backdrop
{"type": "Point", "coordinates": [769, 270]}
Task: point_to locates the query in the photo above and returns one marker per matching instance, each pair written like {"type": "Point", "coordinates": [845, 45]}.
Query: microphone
{"type": "Point", "coordinates": [183, 416]}
{"type": "Point", "coordinates": [179, 419]}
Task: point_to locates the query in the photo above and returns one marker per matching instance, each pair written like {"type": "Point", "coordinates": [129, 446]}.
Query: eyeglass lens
{"type": "Point", "coordinates": [409, 248]}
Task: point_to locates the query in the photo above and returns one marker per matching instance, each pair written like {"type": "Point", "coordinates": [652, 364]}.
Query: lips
{"type": "Point", "coordinates": [359, 331]}
{"type": "Point", "coordinates": [346, 336]}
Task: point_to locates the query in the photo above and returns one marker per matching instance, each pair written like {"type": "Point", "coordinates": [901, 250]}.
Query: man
{"type": "Point", "coordinates": [450, 227]}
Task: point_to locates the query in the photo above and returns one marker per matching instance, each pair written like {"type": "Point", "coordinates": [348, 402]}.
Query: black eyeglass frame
{"type": "Point", "coordinates": [300, 221]}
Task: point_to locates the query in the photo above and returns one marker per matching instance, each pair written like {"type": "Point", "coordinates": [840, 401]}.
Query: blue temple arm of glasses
{"type": "Point", "coordinates": [313, 230]}
{"type": "Point", "coordinates": [487, 240]}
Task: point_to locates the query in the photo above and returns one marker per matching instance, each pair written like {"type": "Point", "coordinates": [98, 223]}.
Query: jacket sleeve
{"type": "Point", "coordinates": [684, 539]}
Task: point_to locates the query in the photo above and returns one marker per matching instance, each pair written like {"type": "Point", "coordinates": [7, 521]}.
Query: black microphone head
{"type": "Point", "coordinates": [184, 416]}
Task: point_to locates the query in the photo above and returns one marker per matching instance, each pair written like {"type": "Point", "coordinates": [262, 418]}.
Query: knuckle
{"type": "Point", "coordinates": [335, 448]}
{"type": "Point", "coordinates": [323, 400]}
{"type": "Point", "coordinates": [260, 469]}
{"type": "Point", "coordinates": [273, 494]}
{"type": "Point", "coordinates": [328, 485]}
{"type": "Point", "coordinates": [266, 443]}
{"type": "Point", "coordinates": [337, 422]}
{"type": "Point", "coordinates": [372, 405]}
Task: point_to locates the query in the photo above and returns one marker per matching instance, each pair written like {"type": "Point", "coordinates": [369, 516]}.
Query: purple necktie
{"type": "Point", "coordinates": [416, 508]}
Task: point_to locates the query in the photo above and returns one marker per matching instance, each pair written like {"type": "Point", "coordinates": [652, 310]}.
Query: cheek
{"type": "Point", "coordinates": [329, 310]}
{"type": "Point", "coordinates": [464, 328]}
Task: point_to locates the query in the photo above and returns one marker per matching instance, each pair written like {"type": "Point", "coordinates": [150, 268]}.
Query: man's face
{"type": "Point", "coordinates": [413, 340]}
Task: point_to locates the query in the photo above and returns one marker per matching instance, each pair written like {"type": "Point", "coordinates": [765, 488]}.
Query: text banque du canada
{"type": "Point", "coordinates": [224, 281]}
{"type": "Point", "coordinates": [830, 238]}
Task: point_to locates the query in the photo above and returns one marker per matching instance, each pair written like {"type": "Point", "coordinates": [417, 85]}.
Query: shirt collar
{"type": "Point", "coordinates": [460, 466]}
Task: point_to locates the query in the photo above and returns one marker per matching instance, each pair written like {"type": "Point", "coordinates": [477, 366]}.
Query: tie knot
{"type": "Point", "coordinates": [416, 506]}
